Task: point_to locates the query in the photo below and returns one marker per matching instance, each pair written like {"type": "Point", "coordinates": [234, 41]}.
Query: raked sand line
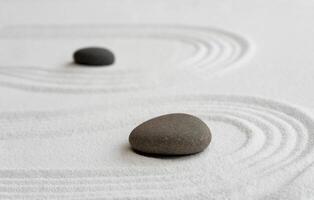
{"type": "Point", "coordinates": [78, 185]}
{"type": "Point", "coordinates": [214, 51]}
{"type": "Point", "coordinates": [69, 80]}
{"type": "Point", "coordinates": [278, 138]}
{"type": "Point", "coordinates": [277, 135]}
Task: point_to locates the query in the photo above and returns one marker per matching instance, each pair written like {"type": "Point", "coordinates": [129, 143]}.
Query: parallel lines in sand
{"type": "Point", "coordinates": [277, 138]}
{"type": "Point", "coordinates": [215, 50]}
{"type": "Point", "coordinates": [285, 129]}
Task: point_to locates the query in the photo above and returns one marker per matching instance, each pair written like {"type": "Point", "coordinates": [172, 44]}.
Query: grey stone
{"type": "Point", "coordinates": [93, 56]}
{"type": "Point", "coordinates": [171, 134]}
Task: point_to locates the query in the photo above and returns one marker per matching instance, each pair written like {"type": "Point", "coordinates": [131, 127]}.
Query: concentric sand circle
{"type": "Point", "coordinates": [276, 138]}
{"type": "Point", "coordinates": [214, 50]}
{"type": "Point", "coordinates": [276, 135]}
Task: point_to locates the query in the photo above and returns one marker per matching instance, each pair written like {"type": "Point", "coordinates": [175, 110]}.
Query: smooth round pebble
{"type": "Point", "coordinates": [93, 56]}
{"type": "Point", "coordinates": [171, 134]}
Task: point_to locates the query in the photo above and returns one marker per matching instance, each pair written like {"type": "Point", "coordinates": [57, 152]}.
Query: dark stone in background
{"type": "Point", "coordinates": [93, 56]}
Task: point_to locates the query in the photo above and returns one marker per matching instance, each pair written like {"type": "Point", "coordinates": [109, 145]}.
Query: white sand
{"type": "Point", "coordinates": [241, 67]}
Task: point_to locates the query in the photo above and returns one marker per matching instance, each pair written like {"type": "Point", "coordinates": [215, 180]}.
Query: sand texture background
{"type": "Point", "coordinates": [245, 68]}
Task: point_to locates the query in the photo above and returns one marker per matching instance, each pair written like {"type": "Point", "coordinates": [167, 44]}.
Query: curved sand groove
{"type": "Point", "coordinates": [214, 51]}
{"type": "Point", "coordinates": [38, 79]}
{"type": "Point", "coordinates": [278, 139]}
{"type": "Point", "coordinates": [286, 130]}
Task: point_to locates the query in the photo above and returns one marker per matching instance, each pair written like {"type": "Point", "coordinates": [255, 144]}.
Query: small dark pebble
{"type": "Point", "coordinates": [93, 56]}
{"type": "Point", "coordinates": [172, 134]}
